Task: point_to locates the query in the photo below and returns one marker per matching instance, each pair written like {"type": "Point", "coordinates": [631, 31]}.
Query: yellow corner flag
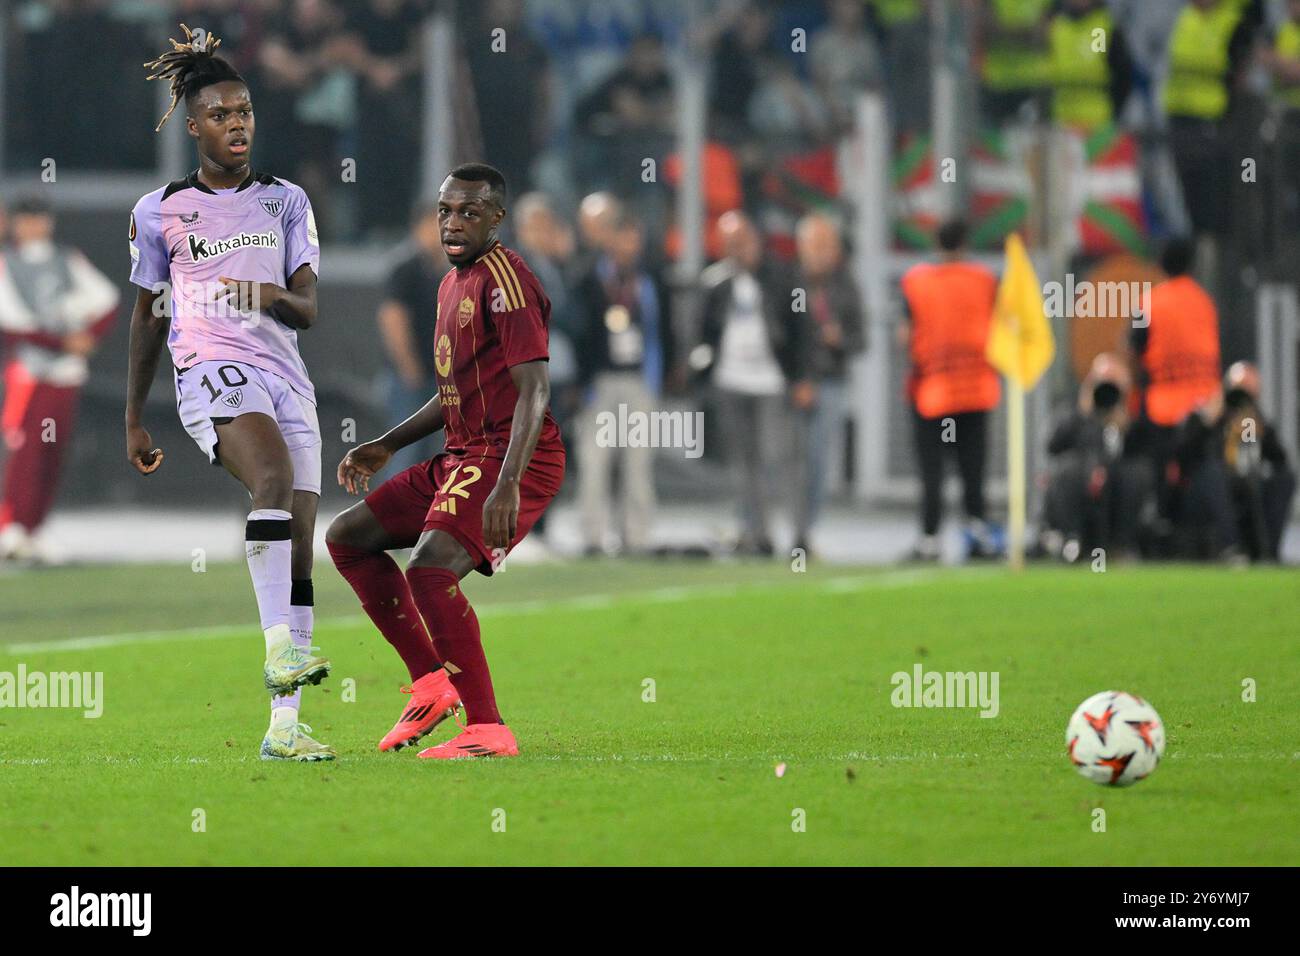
{"type": "Point", "coordinates": [1021, 347]}
{"type": "Point", "coordinates": [1020, 344]}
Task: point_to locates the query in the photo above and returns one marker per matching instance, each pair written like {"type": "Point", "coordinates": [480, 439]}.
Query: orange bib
{"type": "Point", "coordinates": [951, 305]}
{"type": "Point", "coordinates": [1182, 354]}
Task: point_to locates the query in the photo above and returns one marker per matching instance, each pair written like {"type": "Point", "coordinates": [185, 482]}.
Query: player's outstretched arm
{"type": "Point", "coordinates": [501, 510]}
{"type": "Point", "coordinates": [148, 331]}
{"type": "Point", "coordinates": [360, 464]}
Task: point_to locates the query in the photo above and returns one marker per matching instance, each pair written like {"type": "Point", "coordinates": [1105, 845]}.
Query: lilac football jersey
{"type": "Point", "coordinates": [185, 236]}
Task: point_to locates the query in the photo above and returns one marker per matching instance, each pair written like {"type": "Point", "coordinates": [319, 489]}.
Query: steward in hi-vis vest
{"type": "Point", "coordinates": [1015, 55]}
{"type": "Point", "coordinates": [1210, 43]}
{"type": "Point", "coordinates": [1204, 50]}
{"type": "Point", "coordinates": [1090, 70]}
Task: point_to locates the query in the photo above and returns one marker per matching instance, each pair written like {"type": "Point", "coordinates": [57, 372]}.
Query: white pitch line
{"type": "Point", "coordinates": [836, 585]}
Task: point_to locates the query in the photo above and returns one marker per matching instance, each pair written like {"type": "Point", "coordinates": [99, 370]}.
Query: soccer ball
{"type": "Point", "coordinates": [1115, 739]}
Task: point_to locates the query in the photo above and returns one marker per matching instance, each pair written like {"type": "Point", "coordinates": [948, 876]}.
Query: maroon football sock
{"type": "Point", "coordinates": [454, 627]}
{"type": "Point", "coordinates": [386, 598]}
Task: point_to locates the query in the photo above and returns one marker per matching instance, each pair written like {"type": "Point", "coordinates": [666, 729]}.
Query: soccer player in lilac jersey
{"type": "Point", "coordinates": [226, 261]}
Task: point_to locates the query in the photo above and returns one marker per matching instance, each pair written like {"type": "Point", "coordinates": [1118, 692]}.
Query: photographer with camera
{"type": "Point", "coordinates": [1236, 473]}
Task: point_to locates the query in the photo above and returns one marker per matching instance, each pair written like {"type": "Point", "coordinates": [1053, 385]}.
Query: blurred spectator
{"type": "Point", "coordinates": [845, 60]}
{"type": "Point", "coordinates": [512, 88]}
{"type": "Point", "coordinates": [1098, 487]}
{"type": "Point", "coordinates": [1176, 346]}
{"type": "Point", "coordinates": [387, 138]}
{"type": "Point", "coordinates": [1239, 483]}
{"type": "Point", "coordinates": [55, 307]}
{"type": "Point", "coordinates": [1283, 61]}
{"type": "Point", "coordinates": [744, 38]}
{"type": "Point", "coordinates": [722, 192]}
{"type": "Point", "coordinates": [1211, 42]}
{"type": "Point", "coordinates": [906, 46]}
{"type": "Point", "coordinates": [786, 108]}
{"type": "Point", "coordinates": [624, 349]}
{"type": "Point", "coordinates": [406, 318]}
{"type": "Point", "coordinates": [746, 348]}
{"type": "Point", "coordinates": [1013, 36]}
{"type": "Point", "coordinates": [238, 23]}
{"type": "Point", "coordinates": [949, 308]}
{"type": "Point", "coordinates": [546, 243]}
{"type": "Point", "coordinates": [48, 113]}
{"type": "Point", "coordinates": [1090, 84]}
{"type": "Point", "coordinates": [598, 214]}
{"type": "Point", "coordinates": [627, 118]}
{"type": "Point", "coordinates": [829, 331]}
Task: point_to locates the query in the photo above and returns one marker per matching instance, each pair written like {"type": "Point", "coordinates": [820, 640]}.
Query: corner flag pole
{"type": "Point", "coordinates": [1021, 347]}
{"type": "Point", "coordinates": [1015, 473]}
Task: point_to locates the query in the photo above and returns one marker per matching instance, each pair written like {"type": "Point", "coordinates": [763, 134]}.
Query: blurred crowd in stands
{"type": "Point", "coordinates": [566, 95]}
{"type": "Point", "coordinates": [574, 95]}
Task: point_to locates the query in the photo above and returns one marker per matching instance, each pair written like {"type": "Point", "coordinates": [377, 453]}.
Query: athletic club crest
{"type": "Point", "coordinates": [272, 206]}
{"type": "Point", "coordinates": [234, 399]}
{"type": "Point", "coordinates": [465, 311]}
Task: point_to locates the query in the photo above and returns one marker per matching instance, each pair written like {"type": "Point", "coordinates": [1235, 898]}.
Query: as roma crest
{"type": "Point", "coordinates": [465, 311]}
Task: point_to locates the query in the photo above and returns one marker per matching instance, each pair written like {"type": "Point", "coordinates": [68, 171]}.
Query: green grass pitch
{"type": "Point", "coordinates": [753, 666]}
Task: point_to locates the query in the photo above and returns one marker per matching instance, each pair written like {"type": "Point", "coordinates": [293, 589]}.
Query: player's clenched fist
{"type": "Point", "coordinates": [360, 464]}
{"type": "Point", "coordinates": [140, 451]}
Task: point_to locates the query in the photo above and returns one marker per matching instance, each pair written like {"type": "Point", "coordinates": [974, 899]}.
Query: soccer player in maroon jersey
{"type": "Point", "coordinates": [464, 509]}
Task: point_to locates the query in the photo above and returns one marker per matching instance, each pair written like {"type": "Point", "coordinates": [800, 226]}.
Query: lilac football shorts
{"type": "Point", "coordinates": [212, 393]}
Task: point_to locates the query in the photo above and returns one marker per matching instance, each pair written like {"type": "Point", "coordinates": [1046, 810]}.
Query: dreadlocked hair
{"type": "Point", "coordinates": [190, 67]}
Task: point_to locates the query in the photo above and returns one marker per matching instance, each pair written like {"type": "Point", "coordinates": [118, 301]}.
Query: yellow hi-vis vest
{"type": "Point", "coordinates": [1198, 61]}
{"type": "Point", "coordinates": [893, 12]}
{"type": "Point", "coordinates": [1287, 46]}
{"type": "Point", "coordinates": [1080, 74]}
{"type": "Point", "coordinates": [1014, 64]}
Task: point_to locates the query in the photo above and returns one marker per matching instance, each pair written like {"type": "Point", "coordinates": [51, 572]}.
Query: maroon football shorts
{"type": "Point", "coordinates": [447, 493]}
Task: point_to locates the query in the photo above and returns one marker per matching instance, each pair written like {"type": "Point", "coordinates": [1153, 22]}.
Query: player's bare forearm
{"type": "Point", "coordinates": [296, 305]}
{"type": "Point", "coordinates": [534, 385]}
{"type": "Point", "coordinates": [148, 332]}
{"type": "Point", "coordinates": [420, 425]}
{"type": "Point", "coordinates": [362, 463]}
{"type": "Point", "coordinates": [501, 510]}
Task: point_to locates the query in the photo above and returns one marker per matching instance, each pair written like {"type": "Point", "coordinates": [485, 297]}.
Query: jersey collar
{"type": "Point", "coordinates": [193, 180]}
{"type": "Point", "coordinates": [489, 250]}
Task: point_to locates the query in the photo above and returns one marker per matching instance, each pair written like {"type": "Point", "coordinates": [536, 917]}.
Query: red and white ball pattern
{"type": "Point", "coordinates": [1115, 739]}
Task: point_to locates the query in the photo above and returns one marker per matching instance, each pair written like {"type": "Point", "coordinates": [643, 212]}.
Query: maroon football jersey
{"type": "Point", "coordinates": [491, 315]}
